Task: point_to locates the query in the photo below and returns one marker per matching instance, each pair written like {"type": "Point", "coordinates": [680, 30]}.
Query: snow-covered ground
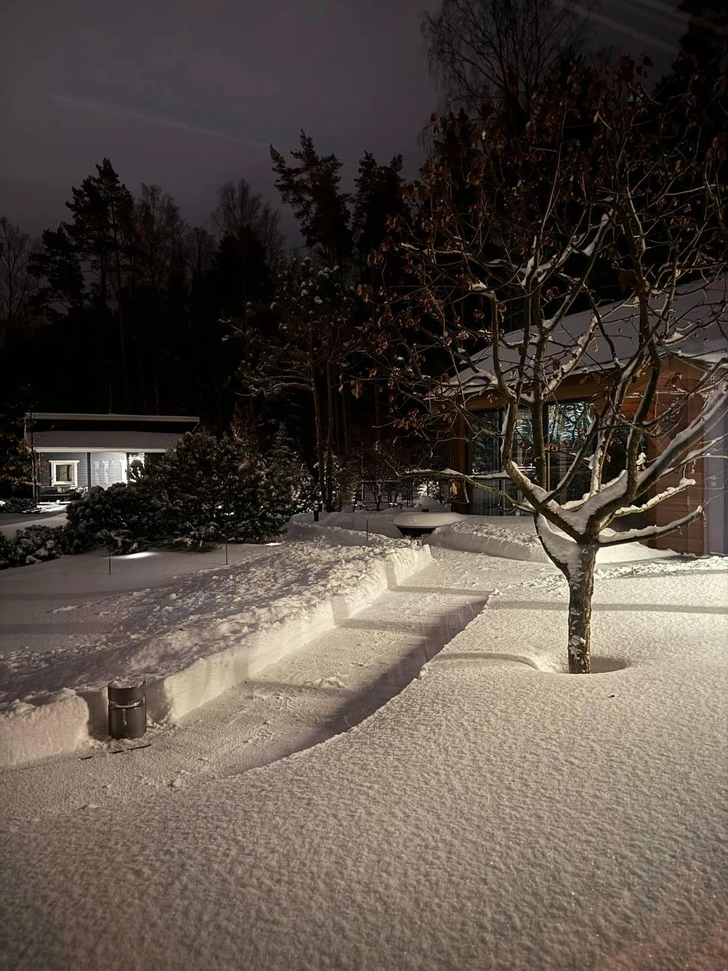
{"type": "Point", "coordinates": [490, 813]}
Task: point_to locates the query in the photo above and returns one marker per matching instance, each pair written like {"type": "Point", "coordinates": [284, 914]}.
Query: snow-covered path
{"type": "Point", "coordinates": [325, 688]}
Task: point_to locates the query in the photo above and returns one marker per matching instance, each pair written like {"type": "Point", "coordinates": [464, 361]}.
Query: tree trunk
{"type": "Point", "coordinates": [329, 439]}
{"type": "Point", "coordinates": [581, 588]}
{"type": "Point", "coordinates": [319, 438]}
{"type": "Point", "coordinates": [345, 423]}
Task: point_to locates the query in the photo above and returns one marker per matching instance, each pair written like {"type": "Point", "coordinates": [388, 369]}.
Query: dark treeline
{"type": "Point", "coordinates": [126, 308]}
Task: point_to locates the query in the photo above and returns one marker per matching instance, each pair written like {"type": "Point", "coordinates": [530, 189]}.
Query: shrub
{"type": "Point", "coordinates": [222, 489]}
{"type": "Point", "coordinates": [202, 492]}
{"type": "Point", "coordinates": [35, 544]}
{"type": "Point", "coordinates": [291, 488]}
{"type": "Point", "coordinates": [120, 517]}
{"type": "Point", "coordinates": [17, 504]}
{"type": "Point", "coordinates": [7, 549]}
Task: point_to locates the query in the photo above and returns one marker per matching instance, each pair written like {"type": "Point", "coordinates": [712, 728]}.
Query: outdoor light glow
{"type": "Point", "coordinates": [134, 556]}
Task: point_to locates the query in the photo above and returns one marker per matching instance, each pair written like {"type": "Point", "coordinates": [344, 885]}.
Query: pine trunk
{"type": "Point", "coordinates": [319, 438]}
{"type": "Point", "coordinates": [329, 439]}
{"type": "Point", "coordinates": [581, 588]}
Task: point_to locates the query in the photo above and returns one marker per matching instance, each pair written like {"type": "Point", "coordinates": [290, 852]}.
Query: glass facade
{"type": "Point", "coordinates": [567, 424]}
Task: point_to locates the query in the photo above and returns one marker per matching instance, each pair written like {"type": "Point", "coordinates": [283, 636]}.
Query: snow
{"type": "Point", "coordinates": [513, 537]}
{"type": "Point", "coordinates": [11, 523]}
{"type": "Point", "coordinates": [190, 638]}
{"type": "Point", "coordinates": [697, 332]}
{"type": "Point", "coordinates": [427, 520]}
{"type": "Point", "coordinates": [492, 812]}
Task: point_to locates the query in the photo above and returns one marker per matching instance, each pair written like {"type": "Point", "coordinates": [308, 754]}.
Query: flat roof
{"type": "Point", "coordinates": [69, 416]}
{"type": "Point", "coordinates": [73, 440]}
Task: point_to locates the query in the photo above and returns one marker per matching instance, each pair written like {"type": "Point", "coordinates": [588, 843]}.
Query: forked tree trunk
{"type": "Point", "coordinates": [581, 588]}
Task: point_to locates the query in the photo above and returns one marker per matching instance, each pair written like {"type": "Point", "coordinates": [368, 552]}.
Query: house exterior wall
{"type": "Point", "coordinates": [93, 468]}
{"type": "Point", "coordinates": [701, 536]}
{"type": "Point", "coordinates": [691, 538]}
{"type": "Point", "coordinates": [716, 484]}
{"type": "Point", "coordinates": [44, 459]}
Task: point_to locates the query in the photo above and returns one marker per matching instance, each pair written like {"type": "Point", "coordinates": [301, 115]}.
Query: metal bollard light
{"type": "Point", "coordinates": [127, 709]}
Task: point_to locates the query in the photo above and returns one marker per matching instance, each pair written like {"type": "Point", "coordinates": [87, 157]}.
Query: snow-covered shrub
{"type": "Point", "coordinates": [204, 491]}
{"type": "Point", "coordinates": [291, 486]}
{"type": "Point", "coordinates": [346, 473]}
{"type": "Point", "coordinates": [17, 504]}
{"type": "Point", "coordinates": [6, 552]}
{"type": "Point", "coordinates": [118, 517]}
{"type": "Point", "coordinates": [198, 539]}
{"type": "Point", "coordinates": [36, 544]}
{"type": "Point", "coordinates": [120, 542]}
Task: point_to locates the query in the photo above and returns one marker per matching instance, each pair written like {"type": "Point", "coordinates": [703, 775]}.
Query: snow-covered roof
{"type": "Point", "coordinates": [696, 331]}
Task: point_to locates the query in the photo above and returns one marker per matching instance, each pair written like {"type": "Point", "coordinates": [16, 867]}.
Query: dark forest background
{"type": "Point", "coordinates": [125, 308]}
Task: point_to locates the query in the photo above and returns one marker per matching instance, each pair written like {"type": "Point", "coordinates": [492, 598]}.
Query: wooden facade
{"type": "Point", "coordinates": [708, 534]}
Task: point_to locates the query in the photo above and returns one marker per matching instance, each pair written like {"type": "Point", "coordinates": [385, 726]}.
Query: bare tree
{"type": "Point", "coordinates": [604, 191]}
{"type": "Point", "coordinates": [17, 284]}
{"type": "Point", "coordinates": [241, 211]}
{"type": "Point", "coordinates": [499, 50]}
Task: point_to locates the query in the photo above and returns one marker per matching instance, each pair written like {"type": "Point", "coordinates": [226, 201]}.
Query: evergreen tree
{"type": "Point", "coordinates": [290, 486]}
{"type": "Point", "coordinates": [304, 347]}
{"type": "Point", "coordinates": [16, 469]}
{"type": "Point", "coordinates": [312, 188]}
{"type": "Point", "coordinates": [706, 39]}
{"type": "Point", "coordinates": [102, 234]}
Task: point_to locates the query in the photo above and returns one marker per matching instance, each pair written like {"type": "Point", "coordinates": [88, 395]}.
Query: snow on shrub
{"type": "Point", "coordinates": [17, 504]}
{"type": "Point", "coordinates": [214, 489]}
{"type": "Point", "coordinates": [124, 518]}
{"type": "Point", "coordinates": [35, 544]}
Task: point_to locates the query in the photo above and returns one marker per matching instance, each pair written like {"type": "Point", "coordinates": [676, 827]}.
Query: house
{"type": "Point", "coordinates": [698, 342]}
{"type": "Point", "coordinates": [76, 452]}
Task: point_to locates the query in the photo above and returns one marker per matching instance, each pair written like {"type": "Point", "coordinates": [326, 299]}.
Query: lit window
{"type": "Point", "coordinates": [64, 474]}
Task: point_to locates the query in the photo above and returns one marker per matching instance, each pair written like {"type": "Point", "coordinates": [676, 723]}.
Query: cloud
{"type": "Point", "coordinates": [91, 104]}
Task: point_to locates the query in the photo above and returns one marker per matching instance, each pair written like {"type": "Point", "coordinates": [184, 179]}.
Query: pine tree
{"type": "Point", "coordinates": [313, 190]}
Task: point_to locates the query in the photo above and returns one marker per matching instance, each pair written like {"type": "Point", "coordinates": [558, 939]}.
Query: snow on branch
{"type": "Point", "coordinates": [703, 423]}
{"type": "Point", "coordinates": [650, 532]}
{"type": "Point", "coordinates": [655, 500]}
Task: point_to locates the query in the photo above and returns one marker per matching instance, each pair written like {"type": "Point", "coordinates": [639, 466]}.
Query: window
{"type": "Point", "coordinates": [64, 473]}
{"type": "Point", "coordinates": [134, 466]}
{"type": "Point", "coordinates": [566, 425]}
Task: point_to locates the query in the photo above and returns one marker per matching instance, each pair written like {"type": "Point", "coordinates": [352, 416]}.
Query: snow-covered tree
{"type": "Point", "coordinates": [581, 257]}
{"type": "Point", "coordinates": [290, 486]}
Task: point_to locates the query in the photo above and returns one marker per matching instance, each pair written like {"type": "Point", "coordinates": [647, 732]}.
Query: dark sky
{"type": "Point", "coordinates": [189, 93]}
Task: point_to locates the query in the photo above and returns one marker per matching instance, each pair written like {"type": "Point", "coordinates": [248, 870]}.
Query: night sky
{"type": "Point", "coordinates": [189, 93]}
